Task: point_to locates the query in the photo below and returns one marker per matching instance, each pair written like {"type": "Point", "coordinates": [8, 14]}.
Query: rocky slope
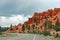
{"type": "Point", "coordinates": [44, 21]}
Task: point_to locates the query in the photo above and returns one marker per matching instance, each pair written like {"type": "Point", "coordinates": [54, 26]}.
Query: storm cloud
{"type": "Point", "coordinates": [23, 9]}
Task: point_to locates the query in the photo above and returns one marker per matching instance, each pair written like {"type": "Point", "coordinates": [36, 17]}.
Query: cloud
{"type": "Point", "coordinates": [25, 7]}
{"type": "Point", "coordinates": [14, 19]}
{"type": "Point", "coordinates": [18, 11]}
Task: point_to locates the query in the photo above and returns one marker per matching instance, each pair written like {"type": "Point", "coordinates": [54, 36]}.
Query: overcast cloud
{"type": "Point", "coordinates": [18, 11]}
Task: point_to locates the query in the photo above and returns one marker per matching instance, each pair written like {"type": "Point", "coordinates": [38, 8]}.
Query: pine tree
{"type": "Point", "coordinates": [23, 28]}
{"type": "Point", "coordinates": [57, 25]}
{"type": "Point", "coordinates": [28, 27]}
{"type": "Point", "coordinates": [45, 24]}
{"type": "Point", "coordinates": [11, 27]}
{"type": "Point", "coordinates": [33, 26]}
{"type": "Point", "coordinates": [50, 24]}
{"type": "Point", "coordinates": [0, 29]}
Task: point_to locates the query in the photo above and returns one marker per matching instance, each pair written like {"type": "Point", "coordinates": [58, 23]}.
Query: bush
{"type": "Point", "coordinates": [57, 36]}
{"type": "Point", "coordinates": [45, 33]}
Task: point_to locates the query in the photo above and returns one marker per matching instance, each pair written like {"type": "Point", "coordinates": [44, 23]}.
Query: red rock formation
{"type": "Point", "coordinates": [30, 21]}
{"type": "Point", "coordinates": [38, 19]}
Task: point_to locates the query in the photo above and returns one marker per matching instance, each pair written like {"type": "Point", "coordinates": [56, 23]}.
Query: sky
{"type": "Point", "coordinates": [18, 11]}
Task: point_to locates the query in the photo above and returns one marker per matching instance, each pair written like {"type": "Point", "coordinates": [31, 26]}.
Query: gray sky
{"type": "Point", "coordinates": [18, 11]}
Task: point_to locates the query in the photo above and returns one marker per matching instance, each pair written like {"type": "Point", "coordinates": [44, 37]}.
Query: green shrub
{"type": "Point", "coordinates": [45, 33]}
{"type": "Point", "coordinates": [57, 36]}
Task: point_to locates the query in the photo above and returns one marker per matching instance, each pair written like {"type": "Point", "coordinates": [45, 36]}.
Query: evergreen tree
{"type": "Point", "coordinates": [11, 27]}
{"type": "Point", "coordinates": [0, 29]}
{"type": "Point", "coordinates": [57, 25]}
{"type": "Point", "coordinates": [50, 24]}
{"type": "Point", "coordinates": [45, 25]}
{"type": "Point", "coordinates": [23, 28]}
{"type": "Point", "coordinates": [33, 26]}
{"type": "Point", "coordinates": [28, 27]}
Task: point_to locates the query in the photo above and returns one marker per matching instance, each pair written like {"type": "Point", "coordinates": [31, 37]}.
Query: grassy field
{"type": "Point", "coordinates": [22, 36]}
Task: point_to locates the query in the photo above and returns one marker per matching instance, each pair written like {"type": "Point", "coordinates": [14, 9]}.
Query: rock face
{"type": "Point", "coordinates": [43, 21]}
